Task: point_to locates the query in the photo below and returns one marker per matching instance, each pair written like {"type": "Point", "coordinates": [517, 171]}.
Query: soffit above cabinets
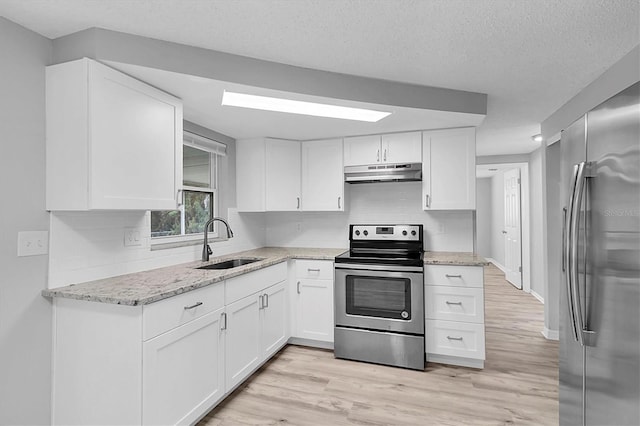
{"type": "Point", "coordinates": [202, 99]}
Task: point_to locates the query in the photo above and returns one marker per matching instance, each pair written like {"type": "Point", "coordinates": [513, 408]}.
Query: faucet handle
{"type": "Point", "coordinates": [209, 250]}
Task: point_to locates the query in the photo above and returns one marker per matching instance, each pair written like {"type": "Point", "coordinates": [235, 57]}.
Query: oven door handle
{"type": "Point", "coordinates": [377, 267]}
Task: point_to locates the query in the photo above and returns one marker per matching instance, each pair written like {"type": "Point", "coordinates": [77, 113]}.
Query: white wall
{"type": "Point", "coordinates": [385, 203]}
{"type": "Point", "coordinates": [25, 316]}
{"type": "Point", "coordinates": [553, 241]}
{"type": "Point", "coordinates": [537, 215]}
{"type": "Point", "coordinates": [483, 217]}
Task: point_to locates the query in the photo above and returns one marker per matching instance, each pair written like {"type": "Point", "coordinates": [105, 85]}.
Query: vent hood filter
{"type": "Point", "coordinates": [383, 173]}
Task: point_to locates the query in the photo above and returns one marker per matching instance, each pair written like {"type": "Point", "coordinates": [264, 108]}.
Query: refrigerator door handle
{"type": "Point", "coordinates": [564, 239]}
{"type": "Point", "coordinates": [584, 335]}
{"type": "Point", "coordinates": [567, 253]}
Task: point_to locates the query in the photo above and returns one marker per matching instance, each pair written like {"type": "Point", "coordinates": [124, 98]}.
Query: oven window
{"type": "Point", "coordinates": [379, 297]}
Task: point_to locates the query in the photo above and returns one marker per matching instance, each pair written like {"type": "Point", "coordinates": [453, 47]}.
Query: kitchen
{"type": "Point", "coordinates": [251, 229]}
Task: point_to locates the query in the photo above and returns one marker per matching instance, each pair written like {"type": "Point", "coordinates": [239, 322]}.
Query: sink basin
{"type": "Point", "coordinates": [228, 264]}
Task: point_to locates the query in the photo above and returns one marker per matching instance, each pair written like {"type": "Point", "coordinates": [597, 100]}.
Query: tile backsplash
{"type": "Point", "coordinates": [384, 203]}
{"type": "Point", "coordinates": [86, 246]}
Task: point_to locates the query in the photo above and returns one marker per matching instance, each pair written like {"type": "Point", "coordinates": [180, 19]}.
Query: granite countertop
{"type": "Point", "coordinates": [146, 287]}
{"type": "Point", "coordinates": [453, 258]}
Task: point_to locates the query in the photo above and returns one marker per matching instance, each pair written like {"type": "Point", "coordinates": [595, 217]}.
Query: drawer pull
{"type": "Point", "coordinates": [298, 287]}
{"type": "Point", "coordinates": [453, 303]}
{"type": "Point", "coordinates": [313, 269]}
{"type": "Point", "coordinates": [453, 276]}
{"type": "Point", "coordinates": [195, 305]}
{"type": "Point", "coordinates": [454, 338]}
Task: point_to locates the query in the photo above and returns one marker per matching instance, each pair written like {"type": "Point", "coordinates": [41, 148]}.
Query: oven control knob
{"type": "Point", "coordinates": [404, 314]}
{"type": "Point", "coordinates": [357, 232]}
{"type": "Point", "coordinates": [365, 232]}
{"type": "Point", "coordinates": [404, 232]}
{"type": "Point", "coordinates": [413, 233]}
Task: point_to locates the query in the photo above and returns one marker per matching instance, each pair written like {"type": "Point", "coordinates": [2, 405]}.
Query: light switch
{"type": "Point", "coordinates": [33, 243]}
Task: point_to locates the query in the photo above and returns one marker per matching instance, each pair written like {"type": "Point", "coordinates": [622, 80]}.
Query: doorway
{"type": "Point", "coordinates": [502, 220]}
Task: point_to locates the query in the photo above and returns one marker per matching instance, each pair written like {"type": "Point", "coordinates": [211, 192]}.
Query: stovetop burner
{"type": "Point", "coordinates": [384, 245]}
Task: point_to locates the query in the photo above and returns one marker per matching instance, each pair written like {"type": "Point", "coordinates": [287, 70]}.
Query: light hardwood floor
{"type": "Point", "coordinates": [519, 384]}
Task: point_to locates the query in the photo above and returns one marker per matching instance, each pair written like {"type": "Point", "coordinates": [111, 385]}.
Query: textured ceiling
{"type": "Point", "coordinates": [530, 57]}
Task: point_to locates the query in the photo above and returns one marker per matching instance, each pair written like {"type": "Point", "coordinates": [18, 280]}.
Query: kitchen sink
{"type": "Point", "coordinates": [228, 264]}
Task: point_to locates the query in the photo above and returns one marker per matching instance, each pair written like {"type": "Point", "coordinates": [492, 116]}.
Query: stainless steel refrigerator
{"type": "Point", "coordinates": [600, 295]}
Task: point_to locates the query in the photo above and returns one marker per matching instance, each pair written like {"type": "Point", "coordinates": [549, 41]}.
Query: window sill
{"type": "Point", "coordinates": [168, 243]}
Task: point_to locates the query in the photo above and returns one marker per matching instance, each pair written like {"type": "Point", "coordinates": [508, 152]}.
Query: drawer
{"type": "Point", "coordinates": [321, 269]}
{"type": "Point", "coordinates": [167, 314]}
{"type": "Point", "coordinates": [252, 282]}
{"type": "Point", "coordinates": [459, 276]}
{"type": "Point", "coordinates": [454, 303]}
{"type": "Point", "coordinates": [461, 339]}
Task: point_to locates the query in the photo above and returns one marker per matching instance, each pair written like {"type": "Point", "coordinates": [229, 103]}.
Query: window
{"type": "Point", "coordinates": [199, 193]}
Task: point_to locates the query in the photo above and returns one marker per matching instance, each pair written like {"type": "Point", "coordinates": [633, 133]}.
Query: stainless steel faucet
{"type": "Point", "coordinates": [206, 250]}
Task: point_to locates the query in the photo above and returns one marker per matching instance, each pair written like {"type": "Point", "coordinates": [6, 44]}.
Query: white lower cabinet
{"type": "Point", "coordinates": [312, 301]}
{"type": "Point", "coordinates": [183, 371]}
{"type": "Point", "coordinates": [243, 340]}
{"type": "Point", "coordinates": [454, 315]}
{"type": "Point", "coordinates": [273, 320]}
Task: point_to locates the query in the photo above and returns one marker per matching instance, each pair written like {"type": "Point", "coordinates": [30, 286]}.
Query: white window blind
{"type": "Point", "coordinates": [206, 144]}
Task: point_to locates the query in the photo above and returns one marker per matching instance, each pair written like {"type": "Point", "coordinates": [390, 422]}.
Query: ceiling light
{"type": "Point", "coordinates": [300, 107]}
{"type": "Point", "coordinates": [536, 138]}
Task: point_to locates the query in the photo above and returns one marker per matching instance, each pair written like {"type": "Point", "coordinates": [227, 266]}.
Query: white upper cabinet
{"type": "Point", "coordinates": [449, 169]}
{"type": "Point", "coordinates": [383, 149]}
{"type": "Point", "coordinates": [322, 175]}
{"type": "Point", "coordinates": [402, 148]}
{"type": "Point", "coordinates": [268, 175]}
{"type": "Point", "coordinates": [113, 142]}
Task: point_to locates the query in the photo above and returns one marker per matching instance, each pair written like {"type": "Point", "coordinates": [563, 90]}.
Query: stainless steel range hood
{"type": "Point", "coordinates": [383, 173]}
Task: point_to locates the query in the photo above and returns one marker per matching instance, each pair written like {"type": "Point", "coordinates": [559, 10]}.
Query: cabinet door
{"type": "Point", "coordinates": [322, 175]}
{"type": "Point", "coordinates": [402, 148]}
{"type": "Point", "coordinates": [362, 150]}
{"type": "Point", "coordinates": [273, 319]}
{"type": "Point", "coordinates": [314, 309]}
{"type": "Point", "coordinates": [282, 175]}
{"type": "Point", "coordinates": [242, 340]}
{"type": "Point", "coordinates": [183, 372]}
{"type": "Point", "coordinates": [449, 169]}
{"type": "Point", "coordinates": [135, 143]}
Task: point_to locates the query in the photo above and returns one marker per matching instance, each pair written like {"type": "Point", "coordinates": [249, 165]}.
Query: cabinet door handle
{"type": "Point", "coordinates": [298, 207]}
{"type": "Point", "coordinates": [298, 287]}
{"type": "Point", "coordinates": [266, 300]}
{"type": "Point", "coordinates": [313, 269]}
{"type": "Point", "coordinates": [427, 200]}
{"type": "Point", "coordinates": [378, 155]}
{"type": "Point", "coordinates": [339, 202]}
{"type": "Point", "coordinates": [261, 301]}
{"type": "Point", "coordinates": [454, 338]}
{"type": "Point", "coordinates": [385, 155]}
{"type": "Point", "coordinates": [195, 305]}
{"type": "Point", "coordinates": [453, 303]}
{"type": "Point", "coordinates": [453, 276]}
{"type": "Point", "coordinates": [223, 324]}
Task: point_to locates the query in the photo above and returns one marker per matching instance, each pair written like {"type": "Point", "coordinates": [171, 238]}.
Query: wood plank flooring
{"type": "Point", "coordinates": [519, 384]}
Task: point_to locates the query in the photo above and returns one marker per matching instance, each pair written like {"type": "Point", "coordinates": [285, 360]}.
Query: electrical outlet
{"type": "Point", "coordinates": [132, 237]}
{"type": "Point", "coordinates": [33, 243]}
{"type": "Point", "coordinates": [441, 228]}
{"type": "Point", "coordinates": [298, 226]}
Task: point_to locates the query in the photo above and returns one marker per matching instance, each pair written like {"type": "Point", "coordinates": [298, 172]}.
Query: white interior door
{"type": "Point", "coordinates": [511, 231]}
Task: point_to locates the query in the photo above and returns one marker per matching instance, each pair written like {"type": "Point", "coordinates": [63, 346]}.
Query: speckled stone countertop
{"type": "Point", "coordinates": [150, 286]}
{"type": "Point", "coordinates": [453, 258]}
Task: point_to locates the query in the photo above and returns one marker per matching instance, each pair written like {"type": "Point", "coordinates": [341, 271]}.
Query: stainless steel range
{"type": "Point", "coordinates": [379, 291]}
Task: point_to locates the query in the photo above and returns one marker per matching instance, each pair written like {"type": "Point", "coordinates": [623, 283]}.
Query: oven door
{"type": "Point", "coordinates": [377, 297]}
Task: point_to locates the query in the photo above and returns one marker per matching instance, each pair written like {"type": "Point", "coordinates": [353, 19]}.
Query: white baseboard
{"type": "Point", "coordinates": [497, 264]}
{"type": "Point", "coordinates": [537, 296]}
{"type": "Point", "coordinates": [551, 334]}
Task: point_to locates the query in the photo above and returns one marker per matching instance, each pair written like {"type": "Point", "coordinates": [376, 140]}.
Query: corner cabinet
{"type": "Point", "coordinates": [268, 175]}
{"type": "Point", "coordinates": [113, 142]}
{"type": "Point", "coordinates": [449, 169]}
{"type": "Point", "coordinates": [383, 149]}
{"type": "Point", "coordinates": [322, 175]}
